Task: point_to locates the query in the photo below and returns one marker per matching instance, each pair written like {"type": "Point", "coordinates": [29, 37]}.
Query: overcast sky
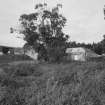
{"type": "Point", "coordinates": [85, 18]}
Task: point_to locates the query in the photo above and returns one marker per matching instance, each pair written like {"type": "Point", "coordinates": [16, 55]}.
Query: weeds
{"type": "Point", "coordinates": [49, 84]}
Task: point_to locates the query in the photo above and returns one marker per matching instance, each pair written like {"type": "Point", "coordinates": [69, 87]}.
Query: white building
{"type": "Point", "coordinates": [80, 54]}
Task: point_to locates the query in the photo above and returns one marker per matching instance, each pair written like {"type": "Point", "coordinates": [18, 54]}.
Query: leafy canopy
{"type": "Point", "coordinates": [43, 31]}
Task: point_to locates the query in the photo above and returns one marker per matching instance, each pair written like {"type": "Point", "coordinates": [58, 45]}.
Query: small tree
{"type": "Point", "coordinates": [102, 44]}
{"type": "Point", "coordinates": [43, 31]}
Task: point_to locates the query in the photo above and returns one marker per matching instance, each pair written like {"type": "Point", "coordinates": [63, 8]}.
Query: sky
{"type": "Point", "coordinates": [85, 19]}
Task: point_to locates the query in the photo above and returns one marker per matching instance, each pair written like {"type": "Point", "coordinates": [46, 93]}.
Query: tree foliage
{"type": "Point", "coordinates": [43, 31]}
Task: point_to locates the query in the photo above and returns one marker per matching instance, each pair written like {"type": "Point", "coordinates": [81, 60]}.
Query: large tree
{"type": "Point", "coordinates": [43, 31]}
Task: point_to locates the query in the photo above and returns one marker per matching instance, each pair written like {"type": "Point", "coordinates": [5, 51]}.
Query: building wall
{"type": "Point", "coordinates": [76, 54]}
{"type": "Point", "coordinates": [78, 57]}
{"type": "Point", "coordinates": [81, 54]}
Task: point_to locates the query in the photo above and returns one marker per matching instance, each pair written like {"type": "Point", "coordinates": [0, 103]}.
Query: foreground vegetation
{"type": "Point", "coordinates": [73, 83]}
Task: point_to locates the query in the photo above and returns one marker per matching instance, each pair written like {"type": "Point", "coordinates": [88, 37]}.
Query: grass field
{"type": "Point", "coordinates": [72, 83]}
{"type": "Point", "coordinates": [13, 58]}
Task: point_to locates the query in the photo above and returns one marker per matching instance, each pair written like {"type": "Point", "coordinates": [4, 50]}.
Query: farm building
{"type": "Point", "coordinates": [15, 46]}
{"type": "Point", "coordinates": [18, 51]}
{"type": "Point", "coordinates": [6, 49]}
{"type": "Point", "coordinates": [80, 54]}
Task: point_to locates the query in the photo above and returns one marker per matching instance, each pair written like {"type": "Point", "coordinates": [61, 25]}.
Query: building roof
{"type": "Point", "coordinates": [75, 50]}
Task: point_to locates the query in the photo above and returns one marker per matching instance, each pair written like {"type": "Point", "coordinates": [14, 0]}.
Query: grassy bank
{"type": "Point", "coordinates": [72, 83]}
{"type": "Point", "coordinates": [12, 58]}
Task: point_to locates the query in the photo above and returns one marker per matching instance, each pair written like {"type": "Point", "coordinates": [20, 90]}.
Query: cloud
{"type": "Point", "coordinates": [85, 17]}
{"type": "Point", "coordinates": [86, 20]}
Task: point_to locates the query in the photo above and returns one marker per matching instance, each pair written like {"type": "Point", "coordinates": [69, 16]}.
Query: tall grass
{"type": "Point", "coordinates": [72, 83]}
{"type": "Point", "coordinates": [12, 58]}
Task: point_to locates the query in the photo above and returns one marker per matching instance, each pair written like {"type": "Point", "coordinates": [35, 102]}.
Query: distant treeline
{"type": "Point", "coordinates": [98, 48]}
